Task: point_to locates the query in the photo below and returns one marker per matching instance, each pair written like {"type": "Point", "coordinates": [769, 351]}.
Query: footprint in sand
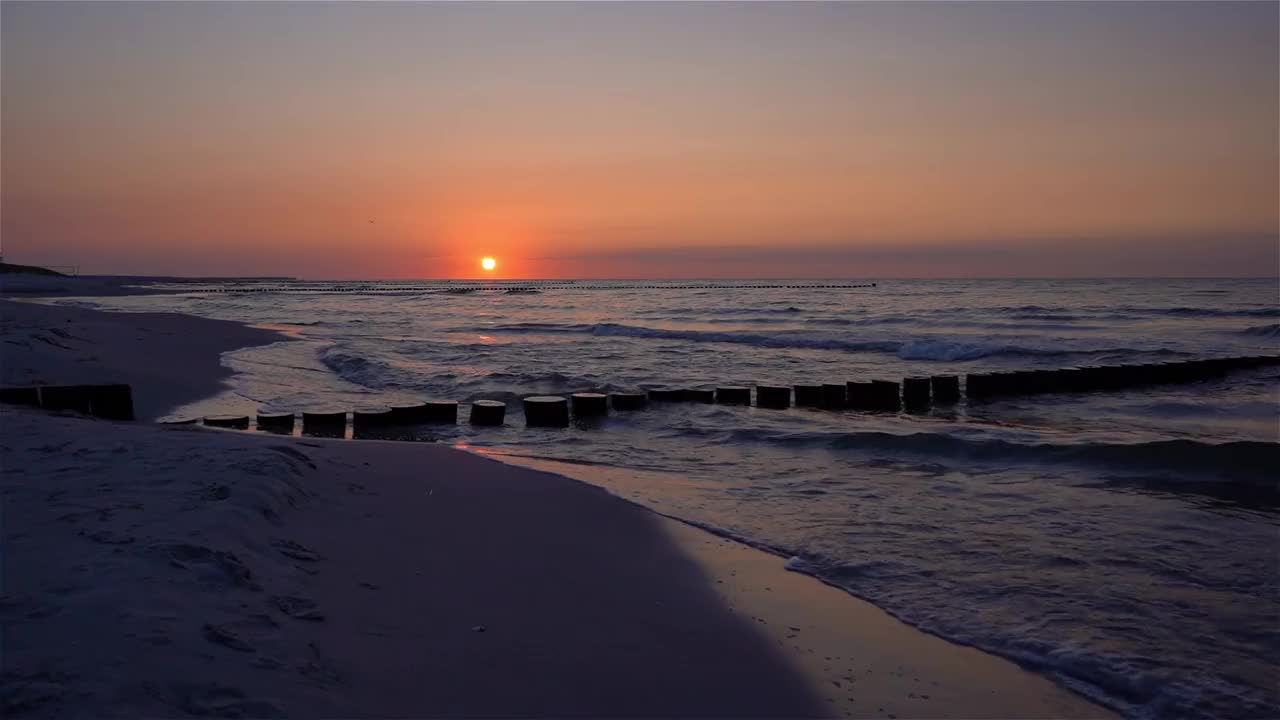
{"type": "Point", "coordinates": [297, 551]}
{"type": "Point", "coordinates": [223, 701]}
{"type": "Point", "coordinates": [223, 636]}
{"type": "Point", "coordinates": [107, 537]}
{"type": "Point", "coordinates": [24, 692]}
{"type": "Point", "coordinates": [318, 668]}
{"type": "Point", "coordinates": [297, 607]}
{"type": "Point", "coordinates": [218, 565]}
{"type": "Point", "coordinates": [242, 634]}
{"type": "Point", "coordinates": [216, 492]}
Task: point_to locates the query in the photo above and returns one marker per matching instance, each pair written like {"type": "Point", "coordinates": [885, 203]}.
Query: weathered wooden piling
{"type": "Point", "coordinates": [1091, 378]}
{"type": "Point", "coordinates": [1001, 382]}
{"type": "Point", "coordinates": [858, 395]}
{"type": "Point", "coordinates": [281, 423]}
{"type": "Point", "coordinates": [238, 422]}
{"type": "Point", "coordinates": [833, 396]}
{"type": "Point", "coordinates": [777, 397]}
{"type": "Point", "coordinates": [409, 413]}
{"type": "Point", "coordinates": [1192, 370]}
{"type": "Point", "coordinates": [1163, 372]}
{"type": "Point", "coordinates": [488, 412]}
{"type": "Point", "coordinates": [978, 386]}
{"type": "Point", "coordinates": [546, 411]}
{"type": "Point", "coordinates": [699, 395]}
{"type": "Point", "coordinates": [1043, 381]}
{"type": "Point", "coordinates": [885, 395]}
{"type": "Point", "coordinates": [666, 395]}
{"type": "Point", "coordinates": [733, 395]}
{"type": "Point", "coordinates": [1110, 377]}
{"type": "Point", "coordinates": [945, 389]}
{"type": "Point", "coordinates": [324, 422]}
{"type": "Point", "coordinates": [440, 411]}
{"type": "Point", "coordinates": [808, 395]}
{"type": "Point", "coordinates": [1210, 368]}
{"type": "Point", "coordinates": [1070, 379]}
{"type": "Point", "coordinates": [112, 402]}
{"type": "Point", "coordinates": [590, 404]}
{"type": "Point", "coordinates": [628, 400]}
{"type": "Point", "coordinates": [1187, 369]}
{"type": "Point", "coordinates": [1214, 367]}
{"type": "Point", "coordinates": [1017, 382]}
{"type": "Point", "coordinates": [368, 418]}
{"type": "Point", "coordinates": [65, 397]}
{"type": "Point", "coordinates": [915, 393]}
{"type": "Point", "coordinates": [20, 396]}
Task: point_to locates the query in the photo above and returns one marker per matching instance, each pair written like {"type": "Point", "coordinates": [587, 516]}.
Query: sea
{"type": "Point", "coordinates": [1125, 543]}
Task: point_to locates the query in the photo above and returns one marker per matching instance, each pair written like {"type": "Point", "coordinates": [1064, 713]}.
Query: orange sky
{"type": "Point", "coordinates": [624, 140]}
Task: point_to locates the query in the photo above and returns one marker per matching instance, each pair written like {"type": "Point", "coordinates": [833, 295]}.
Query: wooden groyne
{"type": "Point", "coordinates": [912, 395]}
{"type": "Point", "coordinates": [111, 402]}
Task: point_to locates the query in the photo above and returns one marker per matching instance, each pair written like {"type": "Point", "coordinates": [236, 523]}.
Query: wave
{"type": "Point", "coordinates": [1121, 312]}
{"type": "Point", "coordinates": [378, 374]}
{"type": "Point", "coordinates": [728, 310]}
{"type": "Point", "coordinates": [1209, 312]}
{"type": "Point", "coordinates": [1052, 316]}
{"type": "Point", "coordinates": [1266, 331]}
{"type": "Point", "coordinates": [1243, 461]}
{"type": "Point", "coordinates": [943, 350]}
{"type": "Point", "coordinates": [769, 320]}
{"type": "Point", "coordinates": [355, 368]}
{"type": "Point", "coordinates": [778, 339]}
{"type": "Point", "coordinates": [918, 349]}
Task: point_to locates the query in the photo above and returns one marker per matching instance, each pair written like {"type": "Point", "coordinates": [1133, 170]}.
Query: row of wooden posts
{"type": "Point", "coordinates": [111, 402]}
{"type": "Point", "coordinates": [1092, 378]}
{"type": "Point", "coordinates": [115, 401]}
{"type": "Point", "coordinates": [913, 394]}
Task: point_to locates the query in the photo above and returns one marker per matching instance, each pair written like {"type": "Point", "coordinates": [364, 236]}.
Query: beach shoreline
{"type": "Point", "coordinates": [169, 359]}
{"type": "Point", "coordinates": [736, 635]}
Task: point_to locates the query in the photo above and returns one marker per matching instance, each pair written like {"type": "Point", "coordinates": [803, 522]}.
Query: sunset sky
{"type": "Point", "coordinates": [401, 140]}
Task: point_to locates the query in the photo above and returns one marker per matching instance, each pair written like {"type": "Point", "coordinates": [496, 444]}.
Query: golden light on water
{"type": "Point", "coordinates": [488, 263]}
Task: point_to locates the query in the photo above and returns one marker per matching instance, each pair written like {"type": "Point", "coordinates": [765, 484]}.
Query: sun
{"type": "Point", "coordinates": [488, 263]}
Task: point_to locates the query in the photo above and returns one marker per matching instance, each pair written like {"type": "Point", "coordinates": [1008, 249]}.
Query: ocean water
{"type": "Point", "coordinates": [1126, 544]}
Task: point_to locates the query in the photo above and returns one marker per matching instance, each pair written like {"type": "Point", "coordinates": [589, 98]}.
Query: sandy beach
{"type": "Point", "coordinates": [168, 359]}
{"type": "Point", "coordinates": [177, 570]}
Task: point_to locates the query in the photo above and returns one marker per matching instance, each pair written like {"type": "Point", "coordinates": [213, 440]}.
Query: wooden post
{"type": "Point", "coordinates": [546, 411]}
{"type": "Point", "coordinates": [777, 397]}
{"type": "Point", "coordinates": [589, 404]}
{"type": "Point", "coordinates": [628, 400]}
{"type": "Point", "coordinates": [733, 395]}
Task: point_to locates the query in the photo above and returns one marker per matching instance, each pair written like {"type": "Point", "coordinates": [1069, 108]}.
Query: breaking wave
{"type": "Point", "coordinates": [1267, 331]}
{"type": "Point", "coordinates": [916, 349]}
